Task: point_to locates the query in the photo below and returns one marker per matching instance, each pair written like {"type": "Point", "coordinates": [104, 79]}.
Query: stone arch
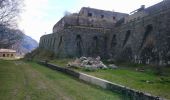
{"type": "Point", "coordinates": [114, 41]}
{"type": "Point", "coordinates": [54, 42]}
{"type": "Point", "coordinates": [105, 42]}
{"type": "Point", "coordinates": [48, 44]}
{"type": "Point", "coordinates": [126, 37]}
{"type": "Point", "coordinates": [168, 51]}
{"type": "Point", "coordinates": [148, 55]}
{"type": "Point", "coordinates": [79, 46]}
{"type": "Point", "coordinates": [94, 50]}
{"type": "Point", "coordinates": [148, 30]}
{"type": "Point", "coordinates": [60, 41]}
{"type": "Point", "coordinates": [95, 42]}
{"type": "Point", "coordinates": [51, 40]}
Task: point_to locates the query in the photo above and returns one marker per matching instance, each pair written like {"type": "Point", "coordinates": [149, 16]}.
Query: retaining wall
{"type": "Point", "coordinates": [127, 92]}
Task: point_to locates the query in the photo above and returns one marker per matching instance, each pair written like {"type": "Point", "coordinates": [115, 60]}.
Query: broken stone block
{"type": "Point", "coordinates": [112, 66]}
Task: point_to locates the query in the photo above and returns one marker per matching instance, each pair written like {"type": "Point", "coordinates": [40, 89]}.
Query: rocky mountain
{"type": "Point", "coordinates": [29, 43]}
{"type": "Point", "coordinates": [25, 45]}
{"type": "Point", "coordinates": [17, 40]}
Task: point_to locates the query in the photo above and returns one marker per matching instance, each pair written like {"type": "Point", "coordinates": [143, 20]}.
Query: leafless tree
{"type": "Point", "coordinates": [9, 37]}
{"type": "Point", "coordinates": [9, 10]}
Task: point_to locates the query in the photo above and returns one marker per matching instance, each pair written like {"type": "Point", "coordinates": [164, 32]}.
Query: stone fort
{"type": "Point", "coordinates": [143, 36]}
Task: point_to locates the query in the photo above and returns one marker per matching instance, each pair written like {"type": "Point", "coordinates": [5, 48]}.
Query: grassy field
{"type": "Point", "coordinates": [146, 81]}
{"type": "Point", "coordinates": [20, 80]}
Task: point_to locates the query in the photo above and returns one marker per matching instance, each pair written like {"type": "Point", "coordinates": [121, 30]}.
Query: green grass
{"type": "Point", "coordinates": [61, 62]}
{"type": "Point", "coordinates": [146, 81]}
{"type": "Point", "coordinates": [20, 80]}
{"type": "Point", "coordinates": [136, 80]}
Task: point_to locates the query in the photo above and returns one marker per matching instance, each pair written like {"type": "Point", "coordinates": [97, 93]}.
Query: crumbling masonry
{"type": "Point", "coordinates": [141, 37]}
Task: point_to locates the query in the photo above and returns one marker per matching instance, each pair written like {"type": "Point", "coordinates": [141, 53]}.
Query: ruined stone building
{"type": "Point", "coordinates": [7, 53]}
{"type": "Point", "coordinates": [141, 37]}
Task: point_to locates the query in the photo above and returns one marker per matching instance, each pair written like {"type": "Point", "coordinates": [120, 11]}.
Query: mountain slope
{"type": "Point", "coordinates": [25, 45]}
{"type": "Point", "coordinates": [17, 40]}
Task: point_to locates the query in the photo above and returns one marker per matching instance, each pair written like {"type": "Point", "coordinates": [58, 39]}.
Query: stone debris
{"type": "Point", "coordinates": [140, 69]}
{"type": "Point", "coordinates": [112, 66]}
{"type": "Point", "coordinates": [88, 63]}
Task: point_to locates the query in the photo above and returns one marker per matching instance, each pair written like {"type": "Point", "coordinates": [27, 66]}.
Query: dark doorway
{"type": "Point", "coordinates": [126, 37]}
{"type": "Point", "coordinates": [102, 16]}
{"type": "Point", "coordinates": [79, 45]}
{"type": "Point", "coordinates": [89, 14]}
{"type": "Point", "coordinates": [60, 41]}
{"type": "Point", "coordinates": [148, 30]}
{"type": "Point", "coordinates": [114, 41]}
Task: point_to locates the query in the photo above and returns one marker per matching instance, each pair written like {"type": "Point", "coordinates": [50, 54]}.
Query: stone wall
{"type": "Point", "coordinates": [77, 20]}
{"type": "Point", "coordinates": [144, 38]}
{"type": "Point", "coordinates": [101, 14]}
{"type": "Point", "coordinates": [130, 94]}
{"type": "Point", "coordinates": [89, 17]}
{"type": "Point", "coordinates": [76, 41]}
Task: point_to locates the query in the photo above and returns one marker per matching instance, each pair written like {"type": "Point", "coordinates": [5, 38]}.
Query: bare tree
{"type": "Point", "coordinates": [9, 10]}
{"type": "Point", "coordinates": [9, 37]}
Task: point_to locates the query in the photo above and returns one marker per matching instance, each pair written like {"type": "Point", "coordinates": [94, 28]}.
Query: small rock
{"type": "Point", "coordinates": [139, 70]}
{"type": "Point", "coordinates": [83, 58]}
{"type": "Point", "coordinates": [150, 82]}
{"type": "Point", "coordinates": [90, 68]}
{"type": "Point", "coordinates": [112, 66]}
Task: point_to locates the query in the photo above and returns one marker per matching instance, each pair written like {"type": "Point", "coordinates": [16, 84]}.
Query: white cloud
{"type": "Point", "coordinates": [32, 18]}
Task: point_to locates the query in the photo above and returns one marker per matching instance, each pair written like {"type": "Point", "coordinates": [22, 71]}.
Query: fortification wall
{"type": "Point", "coordinates": [96, 13]}
{"type": "Point", "coordinates": [76, 20]}
{"type": "Point", "coordinates": [144, 40]}
{"type": "Point", "coordinates": [76, 41]}
{"type": "Point", "coordinates": [89, 17]}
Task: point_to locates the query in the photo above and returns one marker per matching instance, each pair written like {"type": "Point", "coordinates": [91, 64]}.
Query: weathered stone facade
{"type": "Point", "coordinates": [145, 39]}
{"type": "Point", "coordinates": [82, 34]}
{"type": "Point", "coordinates": [7, 53]}
{"type": "Point", "coordinates": [142, 37]}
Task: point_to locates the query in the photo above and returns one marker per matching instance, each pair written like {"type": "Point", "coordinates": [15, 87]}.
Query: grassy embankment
{"type": "Point", "coordinates": [146, 81]}
{"type": "Point", "coordinates": [20, 80]}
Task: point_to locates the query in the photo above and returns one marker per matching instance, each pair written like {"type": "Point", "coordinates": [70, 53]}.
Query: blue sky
{"type": "Point", "coordinates": [39, 16]}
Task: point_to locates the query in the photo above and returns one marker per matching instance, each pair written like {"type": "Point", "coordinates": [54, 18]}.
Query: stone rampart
{"type": "Point", "coordinates": [77, 41]}
{"type": "Point", "coordinates": [143, 38]}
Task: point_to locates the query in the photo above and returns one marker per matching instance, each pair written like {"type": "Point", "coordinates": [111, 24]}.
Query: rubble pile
{"type": "Point", "coordinates": [88, 63]}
